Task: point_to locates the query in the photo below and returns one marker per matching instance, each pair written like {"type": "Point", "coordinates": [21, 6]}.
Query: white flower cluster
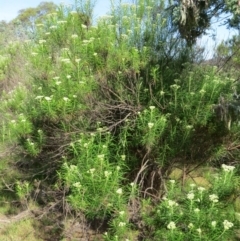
{"type": "Point", "coordinates": [122, 224]}
{"type": "Point", "coordinates": [227, 225]}
{"type": "Point", "coordinates": [213, 198]}
{"type": "Point", "coordinates": [171, 225]}
{"type": "Point", "coordinates": [190, 196]}
{"type": "Point", "coordinates": [150, 125]}
{"type": "Point", "coordinates": [227, 168]}
{"type": "Point", "coordinates": [119, 191]}
{"type": "Point", "coordinates": [201, 189]}
{"type": "Point", "coordinates": [91, 171]}
{"type": "Point", "coordinates": [174, 87]}
{"type": "Point", "coordinates": [172, 203]}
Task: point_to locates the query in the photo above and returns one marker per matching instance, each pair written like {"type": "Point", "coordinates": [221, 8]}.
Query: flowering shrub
{"type": "Point", "coordinates": [195, 215]}
{"type": "Point", "coordinates": [107, 109]}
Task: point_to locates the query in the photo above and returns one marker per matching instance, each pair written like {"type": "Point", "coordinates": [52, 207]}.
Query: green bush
{"type": "Point", "coordinates": [109, 107]}
{"type": "Point", "coordinates": [197, 214]}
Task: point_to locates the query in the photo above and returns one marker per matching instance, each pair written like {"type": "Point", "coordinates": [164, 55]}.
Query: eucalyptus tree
{"type": "Point", "coordinates": [193, 17]}
{"type": "Point", "coordinates": [29, 17]}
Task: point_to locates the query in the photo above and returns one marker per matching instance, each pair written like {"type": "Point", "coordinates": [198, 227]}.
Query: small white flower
{"type": "Point", "coordinates": [189, 127]}
{"type": "Point", "coordinates": [192, 185]}
{"type": "Point", "coordinates": [172, 203]}
{"type": "Point", "coordinates": [77, 60]}
{"type": "Point", "coordinates": [53, 27]}
{"type": "Point", "coordinates": [227, 225]}
{"type": "Point", "coordinates": [85, 41]}
{"type": "Point", "coordinates": [77, 184]}
{"type": "Point", "coordinates": [201, 189]}
{"type": "Point", "coordinates": [190, 196]}
{"type": "Point", "coordinates": [119, 191]}
{"type": "Point", "coordinates": [150, 125]}
{"type": "Point", "coordinates": [118, 168]}
{"type": "Point", "coordinates": [199, 230]}
{"type": "Point", "coordinates": [74, 36]}
{"type": "Point", "coordinates": [122, 213]}
{"type": "Point", "coordinates": [84, 26]}
{"type": "Point", "coordinates": [190, 225]}
{"type": "Point", "coordinates": [202, 91]}
{"type": "Point", "coordinates": [92, 170]}
{"type": "Point", "coordinates": [73, 168]}
{"type": "Point", "coordinates": [56, 78]}
{"type": "Point", "coordinates": [47, 98]}
{"type": "Point", "coordinates": [66, 99]}
{"type": "Point", "coordinates": [164, 198]}
{"type": "Point", "coordinates": [65, 61]}
{"type": "Point", "coordinates": [227, 168]}
{"type": "Point", "coordinates": [107, 173]}
{"type": "Point", "coordinates": [171, 225]}
{"type": "Point", "coordinates": [213, 198]}
{"type": "Point", "coordinates": [123, 157]}
{"type": "Point", "coordinates": [196, 210]}
{"type": "Point", "coordinates": [58, 82]}
{"type": "Point", "coordinates": [174, 87]}
{"type": "Point", "coordinates": [172, 181]}
{"type": "Point", "coordinates": [39, 97]}
{"type": "Point", "coordinates": [95, 54]}
{"type": "Point", "coordinates": [101, 157]}
{"type": "Point", "coordinates": [42, 41]}
{"type": "Point", "coordinates": [122, 224]}
{"type": "Point", "coordinates": [213, 223]}
{"type": "Point", "coordinates": [152, 107]}
{"type": "Point", "coordinates": [68, 76]}
{"type": "Point", "coordinates": [47, 33]}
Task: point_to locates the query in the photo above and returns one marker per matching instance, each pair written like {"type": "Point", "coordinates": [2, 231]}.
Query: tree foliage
{"type": "Point", "coordinates": [193, 18]}
{"type": "Point", "coordinates": [30, 16]}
